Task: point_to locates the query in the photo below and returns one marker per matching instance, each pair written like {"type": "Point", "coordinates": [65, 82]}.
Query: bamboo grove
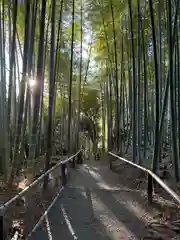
{"type": "Point", "coordinates": [107, 71]}
{"type": "Point", "coordinates": [137, 47]}
{"type": "Point", "coordinates": [37, 98]}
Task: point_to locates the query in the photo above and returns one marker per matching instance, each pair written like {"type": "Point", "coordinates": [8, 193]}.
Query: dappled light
{"type": "Point", "coordinates": [135, 207]}
{"type": "Point", "coordinates": [100, 180]}
{"type": "Point", "coordinates": [114, 227]}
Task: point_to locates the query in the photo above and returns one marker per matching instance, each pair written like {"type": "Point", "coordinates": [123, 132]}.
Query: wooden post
{"type": "Point", "coordinates": [1, 224]}
{"type": "Point", "coordinates": [63, 174]}
{"type": "Point", "coordinates": [150, 189]}
{"type": "Point", "coordinates": [155, 186]}
{"type": "Point", "coordinates": [110, 163]}
{"type": "Point", "coordinates": [80, 159]}
{"type": "Point", "coordinates": [73, 162]}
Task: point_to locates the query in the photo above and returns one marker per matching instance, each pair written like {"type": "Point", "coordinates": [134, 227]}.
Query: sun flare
{"type": "Point", "coordinates": [32, 82]}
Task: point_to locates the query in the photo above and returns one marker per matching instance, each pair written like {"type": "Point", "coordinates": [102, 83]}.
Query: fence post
{"type": "Point", "coordinates": [73, 162]}
{"type": "Point", "coordinates": [110, 162]}
{"type": "Point", "coordinates": [63, 174]}
{"type": "Point", "coordinates": [80, 160]}
{"type": "Point", "coordinates": [150, 189]}
{"type": "Point", "coordinates": [155, 185]}
{"type": "Point", "coordinates": [2, 224]}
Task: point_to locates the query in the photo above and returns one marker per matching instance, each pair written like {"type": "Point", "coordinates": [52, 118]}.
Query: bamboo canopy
{"type": "Point", "coordinates": [107, 70]}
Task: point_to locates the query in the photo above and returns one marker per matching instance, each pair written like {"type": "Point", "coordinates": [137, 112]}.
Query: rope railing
{"type": "Point", "coordinates": [151, 177]}
{"type": "Point", "coordinates": [77, 157]}
{"type": "Point", "coordinates": [44, 214]}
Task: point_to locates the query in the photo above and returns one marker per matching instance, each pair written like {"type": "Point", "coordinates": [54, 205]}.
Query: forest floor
{"type": "Point", "coordinates": [162, 216]}
{"type": "Point", "coordinates": [98, 204]}
{"type": "Point", "coordinates": [26, 212]}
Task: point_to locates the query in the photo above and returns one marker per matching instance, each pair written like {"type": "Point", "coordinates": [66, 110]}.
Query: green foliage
{"type": "Point", "coordinates": [58, 107]}
{"type": "Point", "coordinates": [76, 31]}
{"type": "Point", "coordinates": [90, 103]}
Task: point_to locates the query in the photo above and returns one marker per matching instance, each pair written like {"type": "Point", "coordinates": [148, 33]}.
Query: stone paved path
{"type": "Point", "coordinates": [94, 205]}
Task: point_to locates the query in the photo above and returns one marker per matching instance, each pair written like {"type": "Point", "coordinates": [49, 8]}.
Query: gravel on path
{"type": "Point", "coordinates": [101, 204]}
{"type": "Point", "coordinates": [91, 208]}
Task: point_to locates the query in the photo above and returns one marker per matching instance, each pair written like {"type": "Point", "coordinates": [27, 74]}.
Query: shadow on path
{"type": "Point", "coordinates": [77, 204]}
{"type": "Point", "coordinates": [79, 207]}
{"type": "Point", "coordinates": [136, 202]}
{"type": "Point", "coordinates": [119, 207]}
{"type": "Point", "coordinates": [95, 210]}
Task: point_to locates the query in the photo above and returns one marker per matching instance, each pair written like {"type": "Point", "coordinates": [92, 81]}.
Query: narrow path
{"type": "Point", "coordinates": [94, 205]}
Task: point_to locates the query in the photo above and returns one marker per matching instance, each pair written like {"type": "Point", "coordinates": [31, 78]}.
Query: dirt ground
{"type": "Point", "coordinates": [165, 212]}
{"type": "Point", "coordinates": [27, 211]}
